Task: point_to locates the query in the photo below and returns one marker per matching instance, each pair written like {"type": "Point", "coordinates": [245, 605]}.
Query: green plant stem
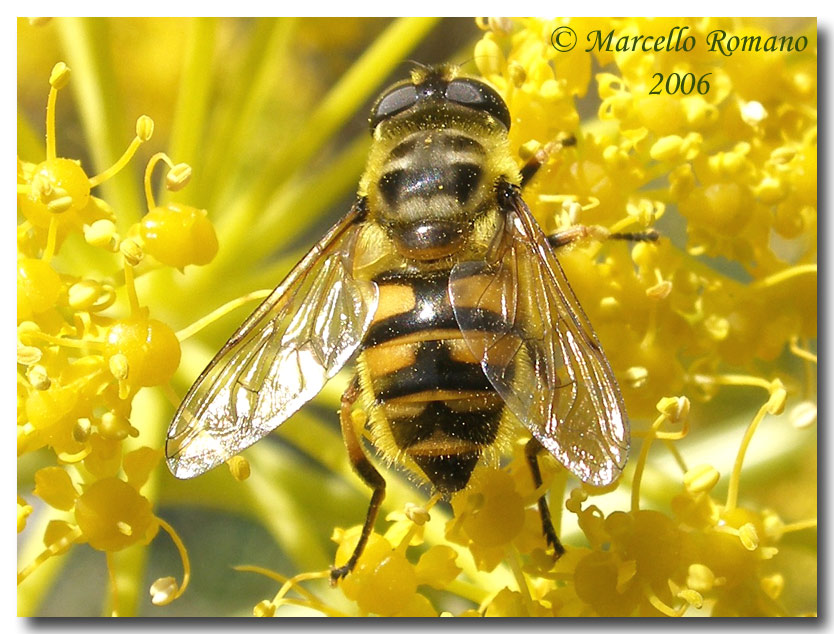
{"type": "Point", "coordinates": [297, 206]}
{"type": "Point", "coordinates": [34, 589]}
{"type": "Point", "coordinates": [30, 144]}
{"type": "Point", "coordinates": [354, 89]}
{"type": "Point", "coordinates": [193, 95]}
{"type": "Point", "coordinates": [265, 62]}
{"type": "Point", "coordinates": [149, 407]}
{"type": "Point", "coordinates": [86, 44]}
{"type": "Point", "coordinates": [286, 518]}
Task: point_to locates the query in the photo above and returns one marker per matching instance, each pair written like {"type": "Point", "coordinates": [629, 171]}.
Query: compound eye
{"type": "Point", "coordinates": [475, 94]}
{"type": "Point", "coordinates": [393, 102]}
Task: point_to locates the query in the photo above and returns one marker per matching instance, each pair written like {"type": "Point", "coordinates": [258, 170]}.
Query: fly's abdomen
{"type": "Point", "coordinates": [431, 401]}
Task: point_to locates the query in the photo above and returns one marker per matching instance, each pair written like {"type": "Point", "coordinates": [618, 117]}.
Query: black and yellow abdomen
{"type": "Point", "coordinates": [428, 398]}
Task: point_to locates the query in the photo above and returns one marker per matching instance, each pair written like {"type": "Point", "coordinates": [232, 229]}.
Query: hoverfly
{"type": "Point", "coordinates": [445, 289]}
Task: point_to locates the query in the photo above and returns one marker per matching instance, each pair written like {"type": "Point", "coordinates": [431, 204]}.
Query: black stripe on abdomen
{"type": "Point", "coordinates": [478, 426]}
{"type": "Point", "coordinates": [431, 310]}
{"type": "Point", "coordinates": [432, 369]}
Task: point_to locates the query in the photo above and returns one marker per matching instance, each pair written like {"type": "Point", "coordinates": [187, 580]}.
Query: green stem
{"type": "Point", "coordinates": [30, 144]}
{"type": "Point", "coordinates": [193, 102]}
{"type": "Point", "coordinates": [265, 63]}
{"type": "Point", "coordinates": [514, 561]}
{"type": "Point", "coordinates": [735, 474]}
{"type": "Point", "coordinates": [86, 44]}
{"type": "Point", "coordinates": [285, 517]}
{"type": "Point", "coordinates": [785, 275]}
{"type": "Point", "coordinates": [130, 567]}
{"type": "Point", "coordinates": [152, 412]}
{"type": "Point", "coordinates": [354, 89]}
{"type": "Point", "coordinates": [34, 589]}
{"type": "Point", "coordinates": [297, 206]}
{"type": "Point", "coordinates": [471, 591]}
{"type": "Point", "coordinates": [293, 210]}
{"type": "Point", "coordinates": [641, 462]}
{"type": "Point", "coordinates": [344, 99]}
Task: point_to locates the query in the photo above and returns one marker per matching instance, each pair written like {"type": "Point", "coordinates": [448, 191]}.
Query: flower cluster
{"type": "Point", "coordinates": [695, 325]}
{"type": "Point", "coordinates": [737, 164]}
{"type": "Point", "coordinates": [82, 358]}
{"type": "Point", "coordinates": [705, 555]}
{"type": "Point", "coordinates": [729, 177]}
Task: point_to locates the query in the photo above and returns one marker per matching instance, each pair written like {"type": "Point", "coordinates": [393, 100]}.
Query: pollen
{"type": "Point", "coordinates": [60, 76]}
{"type": "Point", "coordinates": [132, 251]}
{"type": "Point", "coordinates": [178, 177]}
{"type": "Point", "coordinates": [417, 514]}
{"type": "Point", "coordinates": [264, 609]}
{"type": "Point", "coordinates": [753, 113]}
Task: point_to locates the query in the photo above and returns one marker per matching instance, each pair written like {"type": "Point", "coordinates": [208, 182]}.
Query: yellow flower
{"type": "Point", "coordinates": [711, 330]}
{"type": "Point", "coordinates": [78, 369]}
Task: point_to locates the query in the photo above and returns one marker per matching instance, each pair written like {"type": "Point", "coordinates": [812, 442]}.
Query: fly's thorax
{"type": "Point", "coordinates": [430, 179]}
{"type": "Point", "coordinates": [377, 251]}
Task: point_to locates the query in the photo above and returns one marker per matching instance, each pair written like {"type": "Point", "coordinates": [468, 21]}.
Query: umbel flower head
{"type": "Point", "coordinates": [710, 331]}
{"type": "Point", "coordinates": [80, 364]}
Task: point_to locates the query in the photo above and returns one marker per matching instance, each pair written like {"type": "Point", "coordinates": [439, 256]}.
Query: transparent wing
{"type": "Point", "coordinates": [519, 315]}
{"type": "Point", "coordinates": [279, 359]}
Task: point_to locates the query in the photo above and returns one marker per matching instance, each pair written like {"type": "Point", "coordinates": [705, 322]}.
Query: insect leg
{"type": "Point", "coordinates": [538, 159]}
{"type": "Point", "coordinates": [578, 232]}
{"type": "Point", "coordinates": [596, 232]}
{"type": "Point", "coordinates": [531, 451]}
{"type": "Point", "coordinates": [364, 470]}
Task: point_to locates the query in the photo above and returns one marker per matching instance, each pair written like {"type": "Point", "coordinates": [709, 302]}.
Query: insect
{"type": "Point", "coordinates": [442, 285]}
